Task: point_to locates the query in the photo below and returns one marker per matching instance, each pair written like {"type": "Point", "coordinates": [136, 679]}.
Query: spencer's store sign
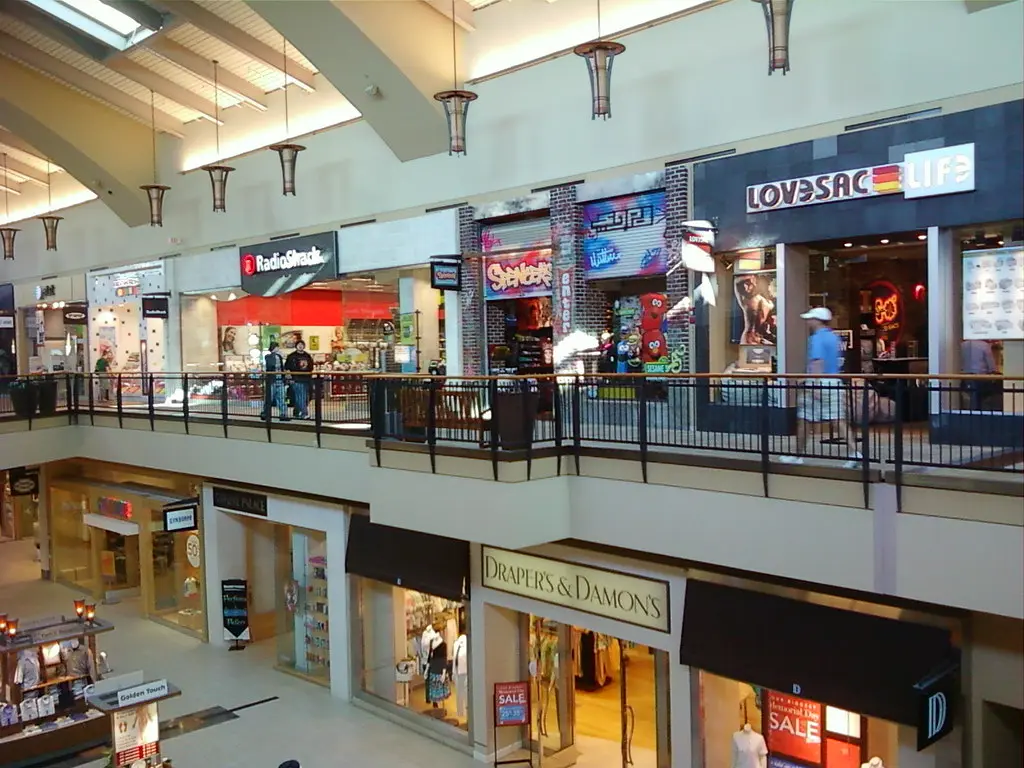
{"type": "Point", "coordinates": [518, 275]}
{"type": "Point", "coordinates": [282, 266]}
{"type": "Point", "coordinates": [930, 173]}
{"type": "Point", "coordinates": [614, 595]}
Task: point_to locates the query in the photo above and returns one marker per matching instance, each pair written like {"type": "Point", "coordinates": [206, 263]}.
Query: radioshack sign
{"type": "Point", "coordinates": [930, 173]}
{"type": "Point", "coordinates": [282, 266]}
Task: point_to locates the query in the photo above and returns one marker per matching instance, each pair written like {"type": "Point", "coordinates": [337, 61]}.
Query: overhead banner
{"type": "Point", "coordinates": [282, 266]}
{"type": "Point", "coordinates": [235, 609]}
{"type": "Point", "coordinates": [625, 237]}
{"type": "Point", "coordinates": [518, 275]}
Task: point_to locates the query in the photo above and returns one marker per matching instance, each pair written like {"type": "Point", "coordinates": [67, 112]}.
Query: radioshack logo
{"type": "Point", "coordinates": [255, 264]}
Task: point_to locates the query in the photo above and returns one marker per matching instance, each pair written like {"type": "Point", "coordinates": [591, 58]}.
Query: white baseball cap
{"type": "Point", "coordinates": [818, 313]}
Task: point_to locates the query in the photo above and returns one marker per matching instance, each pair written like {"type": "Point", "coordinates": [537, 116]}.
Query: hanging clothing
{"type": "Point", "coordinates": [428, 641]}
{"type": "Point", "coordinates": [460, 656]}
{"type": "Point", "coordinates": [26, 673]}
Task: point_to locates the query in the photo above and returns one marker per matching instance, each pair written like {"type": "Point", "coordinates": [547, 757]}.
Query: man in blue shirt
{"type": "Point", "coordinates": [823, 401]}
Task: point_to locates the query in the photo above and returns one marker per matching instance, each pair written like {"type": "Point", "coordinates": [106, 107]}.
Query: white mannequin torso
{"type": "Point", "coordinates": [749, 749]}
{"type": "Point", "coordinates": [874, 762]}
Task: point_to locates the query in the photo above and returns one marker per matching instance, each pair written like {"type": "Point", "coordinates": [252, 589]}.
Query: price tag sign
{"type": "Point", "coordinates": [511, 704]}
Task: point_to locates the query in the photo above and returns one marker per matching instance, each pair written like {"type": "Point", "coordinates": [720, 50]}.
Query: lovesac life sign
{"type": "Point", "coordinates": [619, 596]}
{"type": "Point", "coordinates": [929, 173]}
{"type": "Point", "coordinates": [282, 266]}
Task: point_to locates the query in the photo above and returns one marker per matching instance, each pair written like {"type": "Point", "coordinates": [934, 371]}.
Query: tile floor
{"type": "Point", "coordinates": [303, 724]}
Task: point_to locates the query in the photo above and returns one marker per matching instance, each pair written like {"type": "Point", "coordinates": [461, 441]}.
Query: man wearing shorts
{"type": "Point", "coordinates": [822, 400]}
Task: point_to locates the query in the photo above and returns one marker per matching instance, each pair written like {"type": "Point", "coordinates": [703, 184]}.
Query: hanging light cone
{"type": "Point", "coordinates": [7, 235]}
{"type": "Point", "coordinates": [155, 193]}
{"type": "Point", "coordinates": [599, 55]}
{"type": "Point", "coordinates": [288, 153]}
{"type": "Point", "coordinates": [456, 106]}
{"type": "Point", "coordinates": [219, 182]}
{"type": "Point", "coordinates": [50, 223]}
{"type": "Point", "coordinates": [777, 14]}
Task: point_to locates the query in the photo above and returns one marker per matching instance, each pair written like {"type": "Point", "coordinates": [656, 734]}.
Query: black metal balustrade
{"type": "Point", "coordinates": [891, 424]}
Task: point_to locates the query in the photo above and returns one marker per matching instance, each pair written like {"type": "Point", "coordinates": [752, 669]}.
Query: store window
{"type": "Point", "coordinates": [178, 594]}
{"type": "Point", "coordinates": [303, 612]}
{"type": "Point", "coordinates": [415, 651]}
{"type": "Point", "coordinates": [71, 539]}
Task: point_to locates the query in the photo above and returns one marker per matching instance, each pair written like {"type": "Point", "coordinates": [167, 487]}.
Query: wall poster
{"type": "Point", "coordinates": [993, 295]}
{"type": "Point", "coordinates": [625, 237]}
{"type": "Point", "coordinates": [753, 320]}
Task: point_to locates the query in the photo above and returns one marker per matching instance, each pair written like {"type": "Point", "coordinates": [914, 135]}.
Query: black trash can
{"type": "Point", "coordinates": [516, 413]}
{"type": "Point", "coordinates": [23, 398]}
{"type": "Point", "coordinates": [46, 395]}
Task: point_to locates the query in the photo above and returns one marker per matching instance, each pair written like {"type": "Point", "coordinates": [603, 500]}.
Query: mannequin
{"type": "Point", "coordinates": [438, 685]}
{"type": "Point", "coordinates": [874, 762]}
{"type": "Point", "coordinates": [460, 669]}
{"type": "Point", "coordinates": [749, 749]}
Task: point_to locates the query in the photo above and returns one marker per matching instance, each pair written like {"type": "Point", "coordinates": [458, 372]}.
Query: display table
{"type": "Point", "coordinates": [45, 666]}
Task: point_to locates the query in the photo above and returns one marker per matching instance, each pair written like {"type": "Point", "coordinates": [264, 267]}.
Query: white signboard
{"type": "Point", "coordinates": [993, 297]}
{"type": "Point", "coordinates": [615, 595]}
{"type": "Point", "coordinates": [142, 693]}
{"type": "Point", "coordinates": [136, 734]}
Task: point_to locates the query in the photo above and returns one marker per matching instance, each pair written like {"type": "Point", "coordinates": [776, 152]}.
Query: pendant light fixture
{"type": "Point", "coordinates": [50, 221]}
{"type": "Point", "coordinates": [156, 190]}
{"type": "Point", "coordinates": [777, 14]}
{"type": "Point", "coordinates": [456, 101]}
{"type": "Point", "coordinates": [7, 233]}
{"type": "Point", "coordinates": [599, 55]}
{"type": "Point", "coordinates": [218, 173]}
{"type": "Point", "coordinates": [288, 153]}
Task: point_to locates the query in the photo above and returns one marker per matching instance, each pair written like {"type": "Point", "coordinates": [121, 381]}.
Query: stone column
{"type": "Point", "coordinates": [471, 299]}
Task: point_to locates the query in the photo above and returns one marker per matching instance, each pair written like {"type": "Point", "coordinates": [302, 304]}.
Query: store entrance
{"type": "Point", "coordinates": [597, 701]}
{"type": "Point", "coordinates": [117, 558]}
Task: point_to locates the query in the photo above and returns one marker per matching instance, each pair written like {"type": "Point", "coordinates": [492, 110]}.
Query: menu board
{"type": "Point", "coordinates": [993, 297]}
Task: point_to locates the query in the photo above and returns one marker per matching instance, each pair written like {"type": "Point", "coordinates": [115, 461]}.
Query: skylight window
{"type": "Point", "coordinates": [97, 20]}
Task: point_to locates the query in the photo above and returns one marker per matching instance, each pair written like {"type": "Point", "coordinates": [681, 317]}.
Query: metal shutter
{"type": "Point", "coordinates": [522, 235]}
{"type": "Point", "coordinates": [625, 237]}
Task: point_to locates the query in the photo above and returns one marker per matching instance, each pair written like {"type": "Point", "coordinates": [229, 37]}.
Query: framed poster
{"type": "Point", "coordinates": [993, 294]}
{"type": "Point", "coordinates": [235, 609]}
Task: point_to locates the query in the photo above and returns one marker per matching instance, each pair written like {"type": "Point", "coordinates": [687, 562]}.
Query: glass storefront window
{"type": "Point", "coordinates": [303, 613]}
{"type": "Point", "coordinates": [413, 651]}
{"type": "Point", "coordinates": [178, 594]}
{"type": "Point", "coordinates": [71, 539]}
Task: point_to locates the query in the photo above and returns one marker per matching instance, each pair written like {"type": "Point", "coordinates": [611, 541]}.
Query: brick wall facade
{"type": "Point", "coordinates": [471, 297]}
{"type": "Point", "coordinates": [677, 209]}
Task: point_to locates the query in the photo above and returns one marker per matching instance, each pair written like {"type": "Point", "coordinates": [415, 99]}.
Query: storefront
{"type": "Point", "coordinates": [882, 227]}
{"type": "Point", "coordinates": [131, 327]}
{"type": "Point", "coordinates": [788, 683]}
{"type": "Point", "coordinates": [19, 515]}
{"type": "Point", "coordinates": [517, 288]}
{"type": "Point", "coordinates": [53, 315]}
{"type": "Point", "coordinates": [594, 637]}
{"type": "Point", "coordinates": [410, 629]}
{"type": "Point", "coordinates": [121, 534]}
{"type": "Point", "coordinates": [280, 550]}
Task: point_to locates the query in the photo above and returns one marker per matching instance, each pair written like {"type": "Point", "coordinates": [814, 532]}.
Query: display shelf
{"type": "Point", "coordinates": [54, 681]}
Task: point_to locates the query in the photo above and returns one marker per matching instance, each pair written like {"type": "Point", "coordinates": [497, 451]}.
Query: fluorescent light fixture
{"type": "Point", "coordinates": [97, 20]}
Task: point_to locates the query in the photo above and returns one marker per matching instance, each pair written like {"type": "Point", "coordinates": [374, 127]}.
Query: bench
{"type": "Point", "coordinates": [454, 409]}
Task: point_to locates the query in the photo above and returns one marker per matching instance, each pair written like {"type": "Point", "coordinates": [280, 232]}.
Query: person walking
{"type": "Point", "coordinates": [822, 399]}
{"type": "Point", "coordinates": [103, 367]}
{"type": "Point", "coordinates": [273, 368]}
{"type": "Point", "coordinates": [300, 365]}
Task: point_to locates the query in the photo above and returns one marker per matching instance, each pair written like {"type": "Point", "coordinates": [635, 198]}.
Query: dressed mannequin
{"type": "Point", "coordinates": [874, 762]}
{"type": "Point", "coordinates": [438, 685]}
{"type": "Point", "coordinates": [749, 749]}
{"type": "Point", "coordinates": [460, 669]}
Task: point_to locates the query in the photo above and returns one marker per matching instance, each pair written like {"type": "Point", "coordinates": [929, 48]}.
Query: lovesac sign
{"type": "Point", "coordinates": [282, 266]}
{"type": "Point", "coordinates": [930, 173]}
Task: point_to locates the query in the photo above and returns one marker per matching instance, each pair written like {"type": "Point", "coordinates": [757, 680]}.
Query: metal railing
{"type": "Point", "coordinates": [893, 423]}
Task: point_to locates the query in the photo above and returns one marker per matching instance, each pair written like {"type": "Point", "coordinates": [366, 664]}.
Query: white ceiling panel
{"type": "Point", "coordinates": [259, 74]}
{"type": "Point", "coordinates": [242, 16]}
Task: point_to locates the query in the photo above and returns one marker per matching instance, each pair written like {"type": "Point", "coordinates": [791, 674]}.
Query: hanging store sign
{"type": "Point", "coordinates": [155, 307]}
{"type": "Point", "coordinates": [564, 291]}
{"type": "Point", "coordinates": [614, 595]}
{"type": "Point", "coordinates": [24, 481]}
{"type": "Point", "coordinates": [282, 266]}
{"type": "Point", "coordinates": [934, 172]}
{"type": "Point", "coordinates": [625, 237]}
{"type": "Point", "coordinates": [446, 273]}
{"type": "Point", "coordinates": [937, 697]}
{"type": "Point", "coordinates": [240, 501]}
{"type": "Point", "coordinates": [181, 516]}
{"type": "Point", "coordinates": [518, 275]}
{"type": "Point", "coordinates": [75, 314]}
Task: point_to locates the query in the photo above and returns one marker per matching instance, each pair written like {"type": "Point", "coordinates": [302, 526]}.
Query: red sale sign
{"type": "Point", "coordinates": [793, 726]}
{"type": "Point", "coordinates": [511, 704]}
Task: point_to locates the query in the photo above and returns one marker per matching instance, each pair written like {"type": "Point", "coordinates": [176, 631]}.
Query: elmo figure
{"type": "Point", "coordinates": [653, 307]}
{"type": "Point", "coordinates": [653, 346]}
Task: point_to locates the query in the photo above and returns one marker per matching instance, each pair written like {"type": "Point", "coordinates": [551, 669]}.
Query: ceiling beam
{"type": "Point", "coordinates": [35, 58]}
{"type": "Point", "coordinates": [145, 15]}
{"type": "Point", "coordinates": [227, 81]}
{"type": "Point", "coordinates": [27, 173]}
{"type": "Point", "coordinates": [177, 93]}
{"type": "Point", "coordinates": [9, 186]}
{"type": "Point", "coordinates": [228, 33]}
{"type": "Point", "coordinates": [108, 152]}
{"type": "Point", "coordinates": [983, 5]}
{"type": "Point", "coordinates": [463, 12]}
{"type": "Point", "coordinates": [16, 143]}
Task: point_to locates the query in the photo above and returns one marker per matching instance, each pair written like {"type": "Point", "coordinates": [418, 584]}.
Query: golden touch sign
{"type": "Point", "coordinates": [615, 595]}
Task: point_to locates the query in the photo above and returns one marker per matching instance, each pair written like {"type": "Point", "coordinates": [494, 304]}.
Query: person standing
{"type": "Point", "coordinates": [823, 397]}
{"type": "Point", "coordinates": [976, 359]}
{"type": "Point", "coordinates": [273, 368]}
{"type": "Point", "coordinates": [103, 368]}
{"type": "Point", "coordinates": [300, 365]}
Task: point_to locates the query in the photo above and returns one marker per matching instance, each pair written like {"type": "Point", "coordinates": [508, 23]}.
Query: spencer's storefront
{"type": "Point", "coordinates": [911, 237]}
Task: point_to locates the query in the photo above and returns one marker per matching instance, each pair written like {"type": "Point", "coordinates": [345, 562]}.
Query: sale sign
{"type": "Point", "coordinates": [793, 727]}
{"type": "Point", "coordinates": [511, 704]}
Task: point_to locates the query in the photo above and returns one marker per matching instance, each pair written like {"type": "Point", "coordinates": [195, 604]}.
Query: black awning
{"type": "Point", "coordinates": [861, 663]}
{"type": "Point", "coordinates": [434, 565]}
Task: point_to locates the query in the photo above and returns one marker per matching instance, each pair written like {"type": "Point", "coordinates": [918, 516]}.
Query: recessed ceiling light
{"type": "Point", "coordinates": [1001, 242]}
{"type": "Point", "coordinates": [847, 245]}
{"type": "Point", "coordinates": [863, 245]}
{"type": "Point", "coordinates": [231, 296]}
{"type": "Point", "coordinates": [885, 241]}
{"type": "Point", "coordinates": [922, 237]}
{"type": "Point", "coordinates": [213, 296]}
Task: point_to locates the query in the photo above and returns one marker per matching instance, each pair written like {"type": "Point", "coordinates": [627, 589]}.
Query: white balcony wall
{"type": "Point", "coordinates": [680, 88]}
